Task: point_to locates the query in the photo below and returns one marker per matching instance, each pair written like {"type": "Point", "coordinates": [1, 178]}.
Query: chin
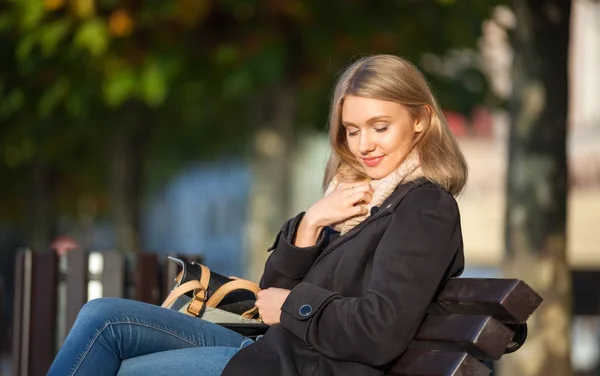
{"type": "Point", "coordinates": [377, 173]}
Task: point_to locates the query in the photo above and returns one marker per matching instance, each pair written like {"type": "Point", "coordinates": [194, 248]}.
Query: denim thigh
{"type": "Point", "coordinates": [110, 330]}
{"type": "Point", "coordinates": [205, 361]}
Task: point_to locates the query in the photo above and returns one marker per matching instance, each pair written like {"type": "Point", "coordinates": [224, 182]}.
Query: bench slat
{"type": "Point", "coordinates": [508, 300]}
{"type": "Point", "coordinates": [438, 363]}
{"type": "Point", "coordinates": [481, 336]}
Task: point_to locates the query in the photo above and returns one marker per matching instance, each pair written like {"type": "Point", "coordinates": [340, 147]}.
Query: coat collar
{"type": "Point", "coordinates": [387, 207]}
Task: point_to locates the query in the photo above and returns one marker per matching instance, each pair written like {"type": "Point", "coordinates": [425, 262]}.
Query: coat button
{"type": "Point", "coordinates": [305, 310]}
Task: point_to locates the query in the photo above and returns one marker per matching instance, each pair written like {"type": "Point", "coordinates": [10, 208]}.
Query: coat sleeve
{"type": "Point", "coordinates": [287, 264]}
{"type": "Point", "coordinates": [412, 257]}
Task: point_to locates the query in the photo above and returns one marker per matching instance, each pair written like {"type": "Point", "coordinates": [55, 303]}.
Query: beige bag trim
{"type": "Point", "coordinates": [237, 284]}
{"type": "Point", "coordinates": [200, 289]}
{"type": "Point", "coordinates": [180, 290]}
{"type": "Point", "coordinates": [199, 300]}
{"type": "Point", "coordinates": [223, 291]}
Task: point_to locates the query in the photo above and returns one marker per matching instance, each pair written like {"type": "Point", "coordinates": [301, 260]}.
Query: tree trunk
{"type": "Point", "coordinates": [42, 216]}
{"type": "Point", "coordinates": [537, 184]}
{"type": "Point", "coordinates": [272, 174]}
{"type": "Point", "coordinates": [127, 172]}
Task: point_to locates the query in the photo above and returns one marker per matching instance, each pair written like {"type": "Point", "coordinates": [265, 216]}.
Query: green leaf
{"type": "Point", "coordinates": [237, 83]}
{"type": "Point", "coordinates": [11, 103]}
{"type": "Point", "coordinates": [52, 35]}
{"type": "Point", "coordinates": [52, 97]}
{"type": "Point", "coordinates": [75, 105]}
{"type": "Point", "coordinates": [119, 86]}
{"type": "Point", "coordinates": [26, 45]}
{"type": "Point", "coordinates": [19, 153]}
{"type": "Point", "coordinates": [152, 84]}
{"type": "Point", "coordinates": [226, 55]}
{"type": "Point", "coordinates": [93, 36]}
{"type": "Point", "coordinates": [269, 64]}
{"type": "Point", "coordinates": [5, 22]}
{"type": "Point", "coordinates": [31, 13]}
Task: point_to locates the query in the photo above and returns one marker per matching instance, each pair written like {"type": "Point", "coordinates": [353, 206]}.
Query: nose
{"type": "Point", "coordinates": [366, 144]}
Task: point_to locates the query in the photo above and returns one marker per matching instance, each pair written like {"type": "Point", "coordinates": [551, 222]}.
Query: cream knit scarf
{"type": "Point", "coordinates": [409, 169]}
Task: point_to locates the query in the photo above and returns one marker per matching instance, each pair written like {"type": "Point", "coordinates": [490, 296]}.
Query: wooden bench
{"type": "Point", "coordinates": [471, 321]}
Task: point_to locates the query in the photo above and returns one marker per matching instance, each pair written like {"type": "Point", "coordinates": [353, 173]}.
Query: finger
{"type": "Point", "coordinates": [357, 201]}
{"type": "Point", "coordinates": [355, 191]}
{"type": "Point", "coordinates": [367, 188]}
{"type": "Point", "coordinates": [363, 187]}
{"type": "Point", "coordinates": [360, 210]}
{"type": "Point", "coordinates": [358, 197]}
{"type": "Point", "coordinates": [366, 197]}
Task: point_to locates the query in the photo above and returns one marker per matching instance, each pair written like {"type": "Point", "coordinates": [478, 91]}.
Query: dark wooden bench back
{"type": "Point", "coordinates": [41, 277]}
{"type": "Point", "coordinates": [472, 320]}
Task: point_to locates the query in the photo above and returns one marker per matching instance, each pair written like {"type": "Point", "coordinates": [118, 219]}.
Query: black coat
{"type": "Point", "coordinates": [358, 299]}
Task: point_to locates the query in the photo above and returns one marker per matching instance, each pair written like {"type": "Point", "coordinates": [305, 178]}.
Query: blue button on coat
{"type": "Point", "coordinates": [305, 310]}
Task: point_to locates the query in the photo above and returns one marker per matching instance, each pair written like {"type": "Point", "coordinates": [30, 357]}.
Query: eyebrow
{"type": "Point", "coordinates": [372, 120]}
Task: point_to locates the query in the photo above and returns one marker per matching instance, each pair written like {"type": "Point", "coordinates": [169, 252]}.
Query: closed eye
{"type": "Point", "coordinates": [382, 129]}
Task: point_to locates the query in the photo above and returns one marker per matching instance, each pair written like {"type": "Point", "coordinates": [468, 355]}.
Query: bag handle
{"type": "Point", "coordinates": [226, 289]}
{"type": "Point", "coordinates": [199, 300]}
{"type": "Point", "coordinates": [236, 284]}
{"type": "Point", "coordinates": [200, 289]}
{"type": "Point", "coordinates": [181, 290]}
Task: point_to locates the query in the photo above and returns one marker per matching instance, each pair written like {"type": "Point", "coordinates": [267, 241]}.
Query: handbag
{"type": "Point", "coordinates": [227, 301]}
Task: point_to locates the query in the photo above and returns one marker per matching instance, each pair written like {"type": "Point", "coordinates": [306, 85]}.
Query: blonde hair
{"type": "Point", "coordinates": [391, 78]}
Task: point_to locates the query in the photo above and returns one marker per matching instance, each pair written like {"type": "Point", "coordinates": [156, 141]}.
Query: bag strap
{"type": "Point", "coordinates": [200, 288]}
{"type": "Point", "coordinates": [199, 300]}
{"type": "Point", "coordinates": [236, 284]}
{"type": "Point", "coordinates": [226, 289]}
{"type": "Point", "coordinates": [181, 290]}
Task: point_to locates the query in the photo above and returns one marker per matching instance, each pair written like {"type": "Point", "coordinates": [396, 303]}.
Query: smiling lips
{"type": "Point", "coordinates": [372, 161]}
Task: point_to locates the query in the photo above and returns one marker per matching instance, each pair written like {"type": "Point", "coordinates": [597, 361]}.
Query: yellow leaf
{"type": "Point", "coordinates": [92, 36]}
{"type": "Point", "coordinates": [83, 8]}
{"type": "Point", "coordinates": [120, 23]}
{"type": "Point", "coordinates": [191, 12]}
{"type": "Point", "coordinates": [51, 5]}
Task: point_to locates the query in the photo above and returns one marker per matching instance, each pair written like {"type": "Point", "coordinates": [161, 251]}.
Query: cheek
{"type": "Point", "coordinates": [352, 145]}
{"type": "Point", "coordinates": [400, 141]}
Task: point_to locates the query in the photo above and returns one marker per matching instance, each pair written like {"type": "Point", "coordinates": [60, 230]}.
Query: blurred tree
{"type": "Point", "coordinates": [537, 183]}
{"type": "Point", "coordinates": [149, 86]}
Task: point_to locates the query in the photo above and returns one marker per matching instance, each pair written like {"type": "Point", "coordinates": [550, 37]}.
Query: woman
{"type": "Point", "coordinates": [348, 281]}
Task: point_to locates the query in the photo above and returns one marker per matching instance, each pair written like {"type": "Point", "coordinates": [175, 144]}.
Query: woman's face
{"type": "Point", "coordinates": [379, 133]}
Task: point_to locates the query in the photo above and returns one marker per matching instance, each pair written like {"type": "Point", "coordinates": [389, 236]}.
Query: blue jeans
{"type": "Point", "coordinates": [117, 336]}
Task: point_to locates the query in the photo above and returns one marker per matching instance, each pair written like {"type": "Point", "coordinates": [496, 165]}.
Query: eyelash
{"type": "Point", "coordinates": [378, 130]}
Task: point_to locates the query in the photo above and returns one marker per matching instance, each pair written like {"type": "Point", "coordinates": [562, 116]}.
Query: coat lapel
{"type": "Point", "coordinates": [386, 208]}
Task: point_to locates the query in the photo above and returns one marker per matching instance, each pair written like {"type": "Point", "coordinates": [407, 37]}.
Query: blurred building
{"type": "Point", "coordinates": [202, 211]}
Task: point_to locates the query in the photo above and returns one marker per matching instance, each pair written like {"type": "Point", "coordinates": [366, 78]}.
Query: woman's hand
{"type": "Point", "coordinates": [269, 304]}
{"type": "Point", "coordinates": [346, 201]}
